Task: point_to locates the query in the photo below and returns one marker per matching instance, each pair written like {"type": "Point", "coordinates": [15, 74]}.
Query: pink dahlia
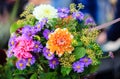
{"type": "Point", "coordinates": [23, 47]}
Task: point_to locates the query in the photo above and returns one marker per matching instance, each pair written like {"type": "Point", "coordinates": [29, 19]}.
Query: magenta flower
{"type": "Point", "coordinates": [86, 61]}
{"type": "Point", "coordinates": [23, 47]}
{"type": "Point", "coordinates": [78, 15]}
{"type": "Point", "coordinates": [22, 54]}
{"type": "Point", "coordinates": [78, 67]}
{"type": "Point", "coordinates": [63, 12]}
{"type": "Point", "coordinates": [53, 63]}
{"type": "Point", "coordinates": [47, 54]}
{"type": "Point", "coordinates": [37, 47]}
{"type": "Point", "coordinates": [21, 64]}
{"type": "Point", "coordinates": [46, 32]}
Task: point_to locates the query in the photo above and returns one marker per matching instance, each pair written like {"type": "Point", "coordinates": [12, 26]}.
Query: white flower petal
{"type": "Point", "coordinates": [44, 11]}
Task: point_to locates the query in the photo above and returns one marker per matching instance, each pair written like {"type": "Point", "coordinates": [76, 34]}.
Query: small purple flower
{"type": "Point", "coordinates": [37, 47]}
{"type": "Point", "coordinates": [47, 54]}
{"type": "Point", "coordinates": [44, 21]}
{"type": "Point", "coordinates": [12, 41]}
{"type": "Point", "coordinates": [78, 67]}
{"type": "Point", "coordinates": [62, 15]}
{"type": "Point", "coordinates": [10, 53]}
{"type": "Point", "coordinates": [38, 26]}
{"type": "Point", "coordinates": [78, 15]}
{"type": "Point", "coordinates": [31, 61]}
{"type": "Point", "coordinates": [28, 31]}
{"type": "Point", "coordinates": [86, 61]}
{"type": "Point", "coordinates": [89, 21]}
{"type": "Point", "coordinates": [46, 32]}
{"type": "Point", "coordinates": [63, 12]}
{"type": "Point", "coordinates": [53, 63]}
{"type": "Point", "coordinates": [21, 64]}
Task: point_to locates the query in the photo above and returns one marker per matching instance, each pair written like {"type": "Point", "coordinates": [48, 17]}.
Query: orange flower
{"type": "Point", "coordinates": [60, 41]}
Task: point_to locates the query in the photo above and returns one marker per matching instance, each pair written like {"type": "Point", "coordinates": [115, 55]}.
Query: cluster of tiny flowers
{"type": "Point", "coordinates": [79, 66]}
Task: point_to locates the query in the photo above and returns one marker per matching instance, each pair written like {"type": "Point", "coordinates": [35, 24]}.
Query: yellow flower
{"type": "Point", "coordinates": [60, 42]}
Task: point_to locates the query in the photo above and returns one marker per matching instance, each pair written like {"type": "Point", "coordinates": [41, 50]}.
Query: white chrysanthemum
{"type": "Point", "coordinates": [44, 11]}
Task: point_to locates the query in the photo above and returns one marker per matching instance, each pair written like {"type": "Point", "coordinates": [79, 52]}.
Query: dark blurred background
{"type": "Point", "coordinates": [102, 11]}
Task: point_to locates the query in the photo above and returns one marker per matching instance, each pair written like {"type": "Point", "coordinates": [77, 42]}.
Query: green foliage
{"type": "Point", "coordinates": [67, 59]}
{"type": "Point", "coordinates": [26, 17]}
{"type": "Point", "coordinates": [75, 76]}
{"type": "Point", "coordinates": [33, 76]}
{"type": "Point", "coordinates": [93, 68]}
{"type": "Point", "coordinates": [37, 37]}
{"type": "Point", "coordinates": [65, 70]}
{"type": "Point", "coordinates": [79, 52]}
{"type": "Point", "coordinates": [79, 43]}
{"type": "Point", "coordinates": [14, 27]}
{"type": "Point", "coordinates": [48, 75]}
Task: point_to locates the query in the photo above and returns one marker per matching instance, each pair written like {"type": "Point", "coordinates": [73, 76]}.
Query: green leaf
{"type": "Point", "coordinates": [49, 75]}
{"type": "Point", "coordinates": [19, 77]}
{"type": "Point", "coordinates": [65, 71]}
{"type": "Point", "coordinates": [79, 52]}
{"type": "Point", "coordinates": [14, 27]}
{"type": "Point", "coordinates": [33, 76]}
{"type": "Point", "coordinates": [75, 76]}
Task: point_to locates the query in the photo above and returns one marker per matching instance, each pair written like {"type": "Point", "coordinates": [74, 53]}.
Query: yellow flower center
{"type": "Point", "coordinates": [29, 59]}
{"type": "Point", "coordinates": [38, 26]}
{"type": "Point", "coordinates": [49, 55]}
{"type": "Point", "coordinates": [12, 42]}
{"type": "Point", "coordinates": [47, 11]}
{"type": "Point", "coordinates": [36, 46]}
{"type": "Point", "coordinates": [78, 67]}
{"type": "Point", "coordinates": [54, 62]}
{"type": "Point", "coordinates": [85, 60]}
{"type": "Point", "coordinates": [20, 64]}
{"type": "Point", "coordinates": [78, 14]}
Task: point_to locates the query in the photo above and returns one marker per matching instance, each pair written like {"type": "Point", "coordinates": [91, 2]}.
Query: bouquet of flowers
{"type": "Point", "coordinates": [49, 43]}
